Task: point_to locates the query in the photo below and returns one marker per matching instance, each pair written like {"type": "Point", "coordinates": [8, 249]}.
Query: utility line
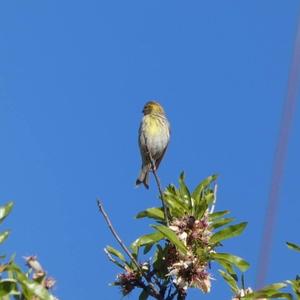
{"type": "Point", "coordinates": [279, 162]}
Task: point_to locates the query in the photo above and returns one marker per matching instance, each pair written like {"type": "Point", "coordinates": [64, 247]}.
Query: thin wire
{"type": "Point", "coordinates": [279, 162]}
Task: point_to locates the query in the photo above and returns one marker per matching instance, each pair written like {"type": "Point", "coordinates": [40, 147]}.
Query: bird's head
{"type": "Point", "coordinates": [153, 107]}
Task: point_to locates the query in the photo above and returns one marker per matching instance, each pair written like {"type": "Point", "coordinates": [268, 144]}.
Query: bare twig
{"type": "Point", "coordinates": [113, 231]}
{"type": "Point", "coordinates": [165, 208]}
{"type": "Point", "coordinates": [150, 288]}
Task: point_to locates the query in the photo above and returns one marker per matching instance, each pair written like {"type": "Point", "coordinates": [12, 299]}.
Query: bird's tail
{"type": "Point", "coordinates": [144, 176]}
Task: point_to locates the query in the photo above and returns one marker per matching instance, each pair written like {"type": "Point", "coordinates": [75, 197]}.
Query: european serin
{"type": "Point", "coordinates": [154, 136]}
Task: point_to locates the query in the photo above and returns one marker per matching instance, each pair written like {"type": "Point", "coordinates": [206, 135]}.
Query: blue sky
{"type": "Point", "coordinates": [74, 76]}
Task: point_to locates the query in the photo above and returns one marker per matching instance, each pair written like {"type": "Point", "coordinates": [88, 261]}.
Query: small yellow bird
{"type": "Point", "coordinates": [154, 135]}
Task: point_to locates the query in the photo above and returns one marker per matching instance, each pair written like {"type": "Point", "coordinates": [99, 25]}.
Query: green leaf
{"type": "Point", "coordinates": [152, 213]}
{"type": "Point", "coordinates": [209, 198]}
{"type": "Point", "coordinates": [177, 207]}
{"type": "Point", "coordinates": [270, 291]}
{"type": "Point", "coordinates": [293, 246]}
{"type": "Point", "coordinates": [115, 252]}
{"type": "Point", "coordinates": [230, 281]}
{"type": "Point", "coordinates": [147, 248]}
{"type": "Point", "coordinates": [172, 237]}
{"type": "Point", "coordinates": [30, 287]}
{"type": "Point", "coordinates": [229, 269]}
{"type": "Point", "coordinates": [221, 222]}
{"type": "Point", "coordinates": [5, 210]}
{"type": "Point", "coordinates": [143, 295]}
{"type": "Point", "coordinates": [203, 185]}
{"type": "Point", "coordinates": [8, 287]}
{"type": "Point", "coordinates": [231, 259]}
{"type": "Point", "coordinates": [184, 191]}
{"type": "Point", "coordinates": [115, 261]}
{"type": "Point", "coordinates": [200, 208]}
{"type": "Point", "coordinates": [295, 284]}
{"type": "Point", "coordinates": [282, 296]}
{"type": "Point", "coordinates": [35, 288]}
{"type": "Point", "coordinates": [202, 198]}
{"type": "Point", "coordinates": [218, 214]}
{"type": "Point", "coordinates": [228, 232]}
{"type": "Point", "coordinates": [268, 295]}
{"type": "Point", "coordinates": [273, 287]}
{"type": "Point", "coordinates": [148, 239]}
{"type": "Point", "coordinates": [3, 236]}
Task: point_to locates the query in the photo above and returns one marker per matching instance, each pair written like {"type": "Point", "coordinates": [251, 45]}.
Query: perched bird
{"type": "Point", "coordinates": [154, 136]}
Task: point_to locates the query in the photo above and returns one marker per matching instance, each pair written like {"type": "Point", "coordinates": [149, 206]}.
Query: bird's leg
{"type": "Point", "coordinates": [153, 166]}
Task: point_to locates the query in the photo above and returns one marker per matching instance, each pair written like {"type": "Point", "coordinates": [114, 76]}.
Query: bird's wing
{"type": "Point", "coordinates": [157, 162]}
